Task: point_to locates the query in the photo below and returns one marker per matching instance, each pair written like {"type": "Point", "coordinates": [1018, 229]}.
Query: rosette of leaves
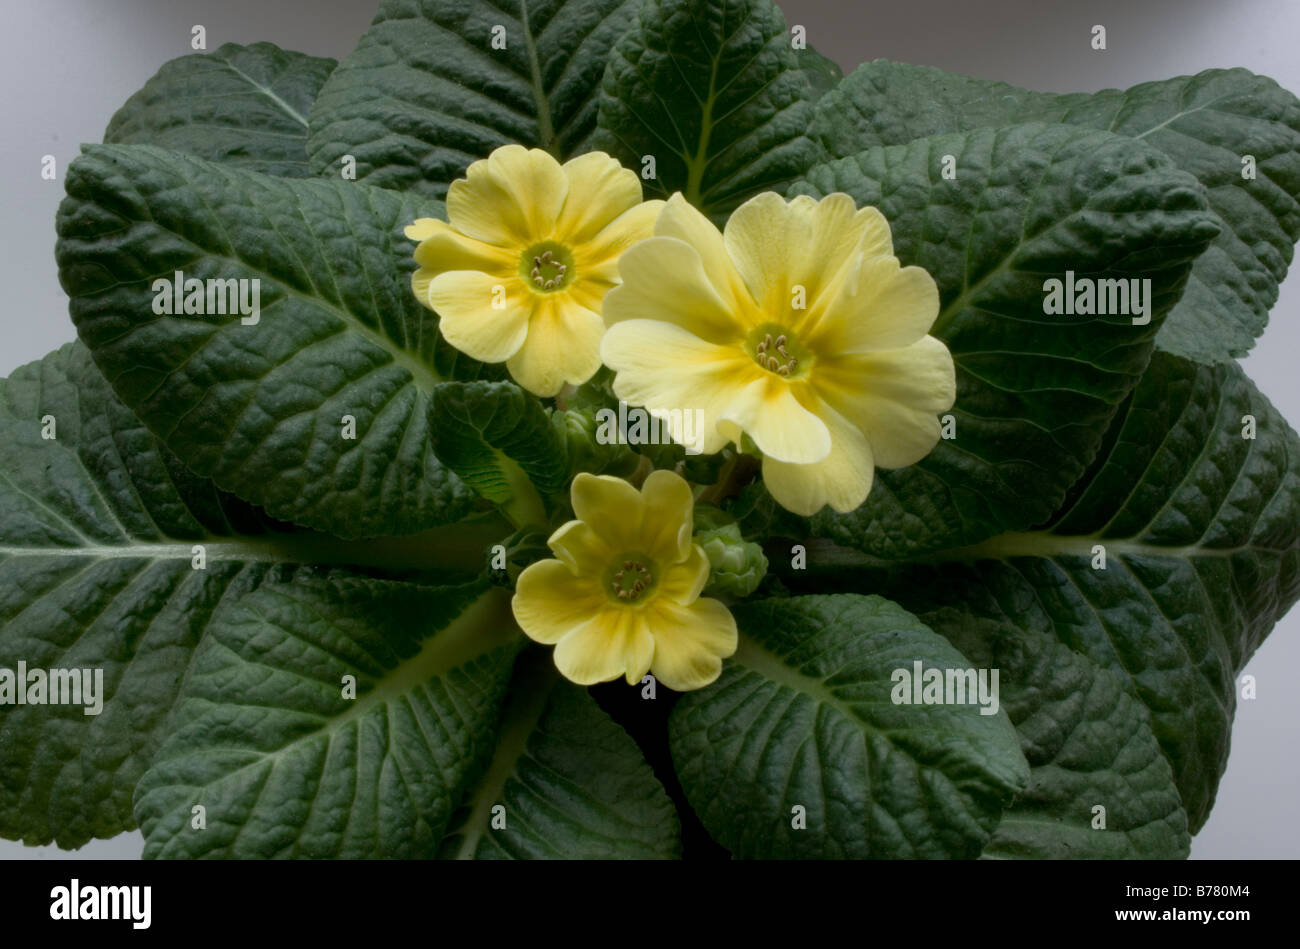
{"type": "Point", "coordinates": [275, 538]}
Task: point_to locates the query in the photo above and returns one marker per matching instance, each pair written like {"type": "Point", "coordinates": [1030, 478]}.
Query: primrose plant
{"type": "Point", "coordinates": [871, 448]}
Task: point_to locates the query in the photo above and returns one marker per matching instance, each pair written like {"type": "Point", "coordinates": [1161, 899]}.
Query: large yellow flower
{"type": "Point", "coordinates": [530, 247]}
{"type": "Point", "coordinates": [624, 596]}
{"type": "Point", "coordinates": [797, 327]}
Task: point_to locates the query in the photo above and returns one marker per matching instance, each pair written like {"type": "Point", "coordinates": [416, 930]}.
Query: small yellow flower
{"type": "Point", "coordinates": [796, 327]}
{"type": "Point", "coordinates": [624, 596]}
{"type": "Point", "coordinates": [530, 247]}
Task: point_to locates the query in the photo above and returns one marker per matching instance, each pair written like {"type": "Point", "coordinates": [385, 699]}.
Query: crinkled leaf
{"type": "Point", "coordinates": [1206, 123]}
{"type": "Point", "coordinates": [713, 91]}
{"type": "Point", "coordinates": [241, 105]}
{"type": "Point", "coordinates": [1200, 528]}
{"type": "Point", "coordinates": [486, 432]}
{"type": "Point", "coordinates": [1035, 392]}
{"type": "Point", "coordinates": [425, 93]}
{"type": "Point", "coordinates": [260, 407]}
{"type": "Point", "coordinates": [98, 527]}
{"type": "Point", "coordinates": [285, 763]}
{"type": "Point", "coordinates": [822, 72]}
{"type": "Point", "coordinates": [802, 716]}
{"type": "Point", "coordinates": [572, 783]}
{"type": "Point", "coordinates": [1089, 744]}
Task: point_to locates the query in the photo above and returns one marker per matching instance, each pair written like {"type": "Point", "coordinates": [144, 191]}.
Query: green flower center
{"type": "Point", "coordinates": [547, 267]}
{"type": "Point", "coordinates": [776, 349]}
{"type": "Point", "coordinates": [631, 578]}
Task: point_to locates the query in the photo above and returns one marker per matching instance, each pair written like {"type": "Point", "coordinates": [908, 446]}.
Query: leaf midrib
{"type": "Point", "coordinates": [522, 717]}
{"type": "Point", "coordinates": [450, 546]}
{"type": "Point", "coordinates": [269, 93]}
{"type": "Point", "coordinates": [1042, 544]}
{"type": "Point", "coordinates": [466, 637]}
{"type": "Point", "coordinates": [545, 128]}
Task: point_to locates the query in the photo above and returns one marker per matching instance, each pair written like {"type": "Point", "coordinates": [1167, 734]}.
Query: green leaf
{"type": "Point", "coordinates": [1035, 392]}
{"type": "Point", "coordinates": [99, 529]}
{"type": "Point", "coordinates": [822, 72]}
{"type": "Point", "coordinates": [1206, 123]}
{"type": "Point", "coordinates": [241, 105]}
{"type": "Point", "coordinates": [1200, 528]}
{"type": "Point", "coordinates": [260, 407]}
{"type": "Point", "coordinates": [285, 763]}
{"type": "Point", "coordinates": [713, 91]}
{"type": "Point", "coordinates": [573, 784]}
{"type": "Point", "coordinates": [1089, 744]}
{"type": "Point", "coordinates": [425, 93]}
{"type": "Point", "coordinates": [498, 438]}
{"type": "Point", "coordinates": [803, 716]}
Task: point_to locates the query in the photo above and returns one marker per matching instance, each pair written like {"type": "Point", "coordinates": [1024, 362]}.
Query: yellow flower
{"type": "Point", "coordinates": [529, 249]}
{"type": "Point", "coordinates": [624, 596]}
{"type": "Point", "coordinates": [796, 327]}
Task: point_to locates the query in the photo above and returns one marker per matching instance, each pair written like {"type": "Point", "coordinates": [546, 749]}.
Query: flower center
{"type": "Point", "coordinates": [547, 267]}
{"type": "Point", "coordinates": [775, 348]}
{"type": "Point", "coordinates": [631, 578]}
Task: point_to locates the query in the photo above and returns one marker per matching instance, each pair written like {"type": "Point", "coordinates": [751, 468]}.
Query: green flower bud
{"type": "Point", "coordinates": [737, 565]}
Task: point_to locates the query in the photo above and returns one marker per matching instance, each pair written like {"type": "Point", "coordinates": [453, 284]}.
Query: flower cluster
{"type": "Point", "coordinates": [794, 333]}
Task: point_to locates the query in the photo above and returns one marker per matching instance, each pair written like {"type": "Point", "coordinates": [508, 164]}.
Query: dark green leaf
{"type": "Point", "coordinates": [1200, 527]}
{"type": "Point", "coordinates": [822, 72]}
{"type": "Point", "coordinates": [488, 431]}
{"type": "Point", "coordinates": [715, 93]}
{"type": "Point", "coordinates": [425, 92]}
{"type": "Point", "coordinates": [803, 717]}
{"type": "Point", "coordinates": [241, 105]}
{"type": "Point", "coordinates": [284, 763]}
{"type": "Point", "coordinates": [573, 785]}
{"type": "Point", "coordinates": [262, 408]}
{"type": "Point", "coordinates": [1206, 123]}
{"type": "Point", "coordinates": [99, 530]}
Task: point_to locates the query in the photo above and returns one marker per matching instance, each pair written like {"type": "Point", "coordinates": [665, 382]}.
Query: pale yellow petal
{"type": "Point", "coordinates": [762, 238]}
{"type": "Point", "coordinates": [682, 582]}
{"type": "Point", "coordinates": [562, 346]}
{"type": "Point", "coordinates": [680, 219]}
{"type": "Point", "coordinates": [597, 260]}
{"type": "Point", "coordinates": [664, 280]}
{"type": "Point", "coordinates": [511, 198]}
{"type": "Point", "coordinates": [766, 409]}
{"type": "Point", "coordinates": [600, 189]}
{"type": "Point", "coordinates": [668, 519]}
{"type": "Point", "coordinates": [842, 480]}
{"type": "Point", "coordinates": [804, 244]}
{"type": "Point", "coordinates": [667, 368]}
{"type": "Point", "coordinates": [611, 507]}
{"type": "Point", "coordinates": [691, 642]}
{"type": "Point", "coordinates": [579, 546]}
{"type": "Point", "coordinates": [599, 650]}
{"type": "Point", "coordinates": [551, 601]}
{"type": "Point", "coordinates": [421, 228]}
{"type": "Point", "coordinates": [469, 321]}
{"type": "Point", "coordinates": [895, 397]}
{"type": "Point", "coordinates": [444, 249]}
{"type": "Point", "coordinates": [885, 307]}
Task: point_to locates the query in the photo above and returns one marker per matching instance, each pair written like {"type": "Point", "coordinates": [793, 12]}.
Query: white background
{"type": "Point", "coordinates": [67, 65]}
